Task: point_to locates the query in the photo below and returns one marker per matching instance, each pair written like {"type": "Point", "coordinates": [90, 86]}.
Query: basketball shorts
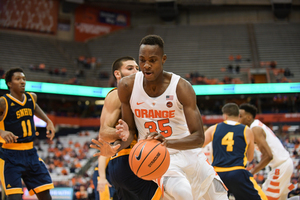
{"type": "Point", "coordinates": [242, 185]}
{"type": "Point", "coordinates": [127, 184]}
{"type": "Point", "coordinates": [193, 165]}
{"type": "Point", "coordinates": [95, 182]}
{"type": "Point", "coordinates": [278, 185]}
{"type": "Point", "coordinates": [16, 165]}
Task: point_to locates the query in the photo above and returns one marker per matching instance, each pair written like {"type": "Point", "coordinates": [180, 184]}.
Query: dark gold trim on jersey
{"type": "Point", "coordinates": [227, 169]}
{"type": "Point", "coordinates": [18, 146]}
{"type": "Point", "coordinates": [123, 152]}
{"type": "Point", "coordinates": [111, 91]}
{"type": "Point", "coordinates": [157, 195]}
{"type": "Point", "coordinates": [2, 121]}
{"type": "Point", "coordinates": [41, 188]}
{"type": "Point", "coordinates": [212, 138]}
{"type": "Point", "coordinates": [17, 101]}
{"type": "Point", "coordinates": [6, 110]}
{"type": "Point", "coordinates": [246, 148]}
{"type": "Point", "coordinates": [258, 188]}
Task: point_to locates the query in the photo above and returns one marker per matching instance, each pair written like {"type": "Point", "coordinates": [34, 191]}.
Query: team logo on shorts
{"type": "Point", "coordinates": [169, 104]}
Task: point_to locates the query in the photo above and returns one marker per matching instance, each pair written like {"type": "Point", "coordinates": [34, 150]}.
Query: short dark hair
{"type": "Point", "coordinates": [231, 109]}
{"type": "Point", "coordinates": [249, 108]}
{"type": "Point", "coordinates": [9, 74]}
{"type": "Point", "coordinates": [153, 40]}
{"type": "Point", "coordinates": [117, 64]}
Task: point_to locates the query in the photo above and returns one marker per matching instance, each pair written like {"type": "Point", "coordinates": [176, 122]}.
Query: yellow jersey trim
{"type": "Point", "coordinates": [123, 152]}
{"type": "Point", "coordinates": [227, 169]}
{"type": "Point", "coordinates": [18, 146]}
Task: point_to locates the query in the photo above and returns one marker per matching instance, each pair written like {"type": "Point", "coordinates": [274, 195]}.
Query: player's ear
{"type": "Point", "coordinates": [164, 58]}
{"type": "Point", "coordinates": [117, 74]}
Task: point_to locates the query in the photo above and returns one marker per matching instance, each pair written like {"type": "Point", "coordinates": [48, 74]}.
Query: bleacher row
{"type": "Point", "coordinates": [203, 48]}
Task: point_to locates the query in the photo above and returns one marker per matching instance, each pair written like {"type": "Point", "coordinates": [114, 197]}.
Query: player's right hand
{"type": "Point", "coordinates": [104, 147]}
{"type": "Point", "coordinates": [122, 130]}
{"type": "Point", "coordinates": [9, 137]}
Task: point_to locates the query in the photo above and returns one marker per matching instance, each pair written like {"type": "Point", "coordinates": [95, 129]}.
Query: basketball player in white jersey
{"type": "Point", "coordinates": [161, 105]}
{"type": "Point", "coordinates": [277, 185]}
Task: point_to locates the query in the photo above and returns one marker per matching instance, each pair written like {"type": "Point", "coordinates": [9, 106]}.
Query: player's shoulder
{"type": "Point", "coordinates": [127, 82]}
{"type": "Point", "coordinates": [184, 86]}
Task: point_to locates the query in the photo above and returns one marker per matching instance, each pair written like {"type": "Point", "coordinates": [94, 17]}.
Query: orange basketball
{"type": "Point", "coordinates": [149, 160]}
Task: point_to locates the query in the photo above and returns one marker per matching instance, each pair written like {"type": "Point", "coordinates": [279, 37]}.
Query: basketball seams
{"type": "Point", "coordinates": [159, 165]}
{"type": "Point", "coordinates": [146, 157]}
{"type": "Point", "coordinates": [149, 161]}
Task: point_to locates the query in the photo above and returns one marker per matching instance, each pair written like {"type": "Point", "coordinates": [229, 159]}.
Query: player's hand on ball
{"type": "Point", "coordinates": [104, 147]}
{"type": "Point", "coordinates": [157, 136]}
{"type": "Point", "coordinates": [122, 130]}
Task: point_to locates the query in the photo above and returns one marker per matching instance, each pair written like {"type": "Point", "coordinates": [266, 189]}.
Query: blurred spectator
{"type": "Point", "coordinates": [230, 68]}
{"type": "Point", "coordinates": [63, 71]}
{"type": "Point", "coordinates": [50, 71]}
{"type": "Point", "coordinates": [56, 71]}
{"type": "Point", "coordinates": [238, 58]}
{"type": "Point", "coordinates": [231, 58]}
{"type": "Point", "coordinates": [237, 69]}
{"type": "Point", "coordinates": [287, 72]}
{"type": "Point", "coordinates": [42, 67]}
{"type": "Point", "coordinates": [273, 64]}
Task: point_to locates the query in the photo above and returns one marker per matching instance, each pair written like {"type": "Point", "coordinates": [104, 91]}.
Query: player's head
{"type": "Point", "coordinates": [15, 78]}
{"type": "Point", "coordinates": [151, 56]}
{"type": "Point", "coordinates": [230, 110]}
{"type": "Point", "coordinates": [247, 113]}
{"type": "Point", "coordinates": [124, 66]}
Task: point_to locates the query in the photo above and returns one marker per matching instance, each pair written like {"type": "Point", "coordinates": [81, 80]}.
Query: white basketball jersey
{"type": "Point", "coordinates": [163, 114]}
{"type": "Point", "coordinates": [280, 154]}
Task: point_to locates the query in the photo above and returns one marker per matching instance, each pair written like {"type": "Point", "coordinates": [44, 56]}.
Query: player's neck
{"type": "Point", "coordinates": [19, 96]}
{"type": "Point", "coordinates": [235, 119]}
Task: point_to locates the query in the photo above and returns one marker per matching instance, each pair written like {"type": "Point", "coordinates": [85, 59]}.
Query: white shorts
{"type": "Point", "coordinates": [278, 185]}
{"type": "Point", "coordinates": [193, 165]}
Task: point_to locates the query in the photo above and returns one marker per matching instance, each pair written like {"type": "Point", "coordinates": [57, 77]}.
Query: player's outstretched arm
{"type": "Point", "coordinates": [50, 130]}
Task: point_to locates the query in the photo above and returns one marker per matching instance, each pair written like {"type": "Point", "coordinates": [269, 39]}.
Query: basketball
{"type": "Point", "coordinates": [149, 160]}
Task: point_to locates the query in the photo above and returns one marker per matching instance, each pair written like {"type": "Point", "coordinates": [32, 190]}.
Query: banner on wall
{"type": "Point", "coordinates": [29, 15]}
{"type": "Point", "coordinates": [92, 21]}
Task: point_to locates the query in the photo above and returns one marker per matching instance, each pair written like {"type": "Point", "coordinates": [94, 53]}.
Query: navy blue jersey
{"type": "Point", "coordinates": [18, 117]}
{"type": "Point", "coordinates": [229, 147]}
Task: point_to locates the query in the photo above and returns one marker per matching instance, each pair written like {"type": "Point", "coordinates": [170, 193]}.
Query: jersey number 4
{"type": "Point", "coordinates": [228, 141]}
{"type": "Point", "coordinates": [26, 129]}
{"type": "Point", "coordinates": [164, 129]}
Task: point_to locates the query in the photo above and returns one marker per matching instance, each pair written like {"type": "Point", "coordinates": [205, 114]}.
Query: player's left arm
{"type": "Point", "coordinates": [260, 140]}
{"type": "Point", "coordinates": [40, 114]}
{"type": "Point", "coordinates": [209, 135]}
{"type": "Point", "coordinates": [187, 97]}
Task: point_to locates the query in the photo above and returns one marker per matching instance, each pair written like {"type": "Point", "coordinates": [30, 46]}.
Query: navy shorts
{"type": "Point", "coordinates": [241, 184]}
{"type": "Point", "coordinates": [127, 184]}
{"type": "Point", "coordinates": [16, 165]}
